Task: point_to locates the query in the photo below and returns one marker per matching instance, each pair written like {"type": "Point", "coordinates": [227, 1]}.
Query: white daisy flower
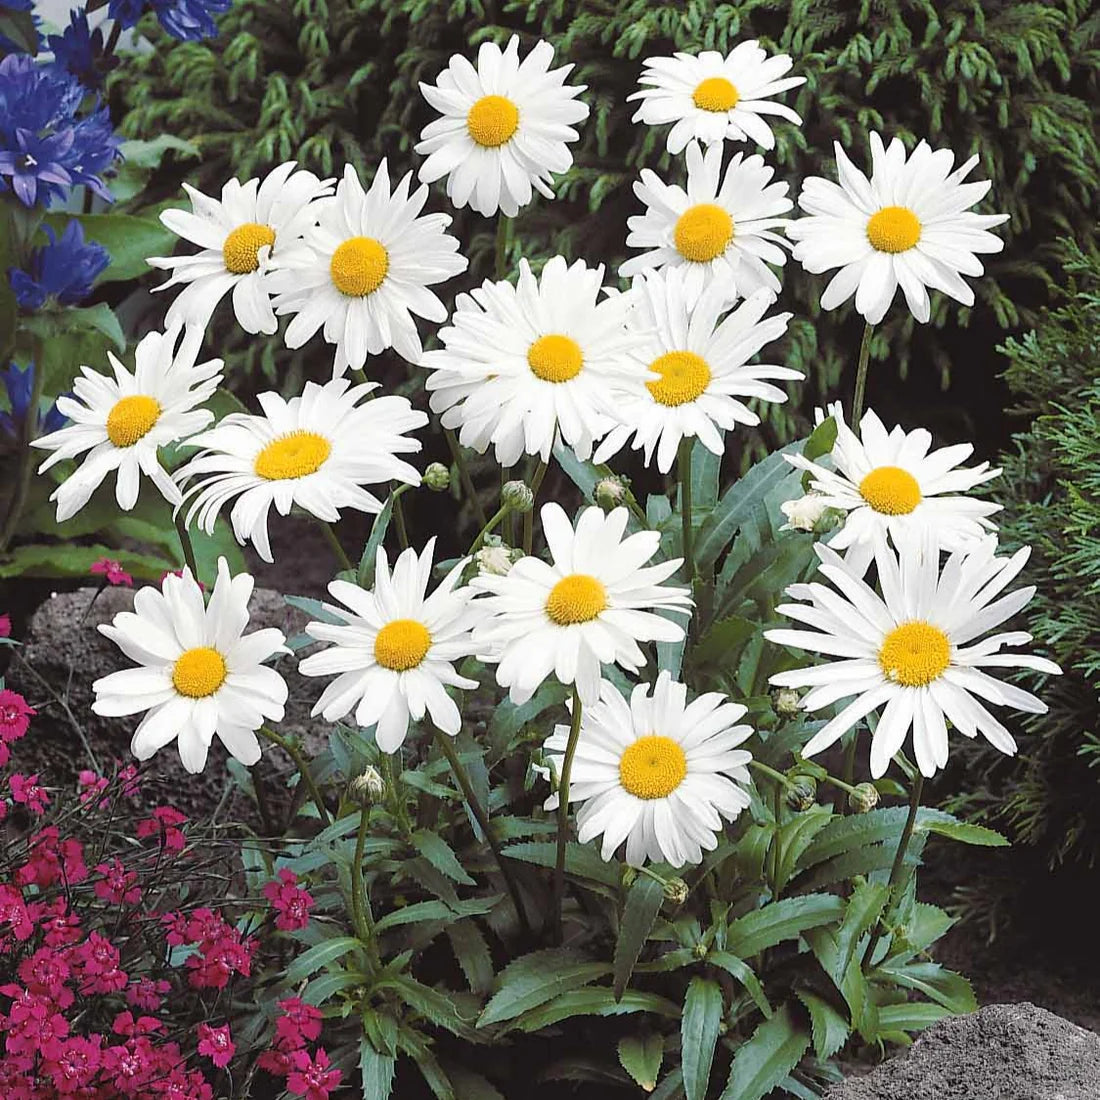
{"type": "Point", "coordinates": [505, 127]}
{"type": "Point", "coordinates": [719, 228]}
{"type": "Point", "coordinates": [522, 365]}
{"type": "Point", "coordinates": [913, 649]}
{"type": "Point", "coordinates": [657, 772]}
{"type": "Point", "coordinates": [123, 421]}
{"type": "Point", "coordinates": [316, 451]}
{"type": "Point", "coordinates": [364, 269]}
{"type": "Point", "coordinates": [591, 607]}
{"type": "Point", "coordinates": [240, 238]}
{"type": "Point", "coordinates": [909, 225]}
{"type": "Point", "coordinates": [712, 98]}
{"type": "Point", "coordinates": [890, 484]}
{"type": "Point", "coordinates": [395, 650]}
{"type": "Point", "coordinates": [200, 675]}
{"type": "Point", "coordinates": [692, 377]}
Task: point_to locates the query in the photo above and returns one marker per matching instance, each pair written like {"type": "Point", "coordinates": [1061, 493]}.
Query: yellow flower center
{"type": "Point", "coordinates": [241, 250]}
{"type": "Point", "coordinates": [890, 490]}
{"type": "Point", "coordinates": [555, 358]}
{"type": "Point", "coordinates": [684, 375]}
{"type": "Point", "coordinates": [653, 767]}
{"type": "Point", "coordinates": [131, 419]}
{"type": "Point", "coordinates": [295, 454]}
{"type": "Point", "coordinates": [402, 644]}
{"type": "Point", "coordinates": [702, 232]}
{"type": "Point", "coordinates": [914, 654]}
{"type": "Point", "coordinates": [199, 672]}
{"type": "Point", "coordinates": [577, 598]}
{"type": "Point", "coordinates": [893, 229]}
{"type": "Point", "coordinates": [359, 266]}
{"type": "Point", "coordinates": [492, 120]}
{"type": "Point", "coordinates": [716, 94]}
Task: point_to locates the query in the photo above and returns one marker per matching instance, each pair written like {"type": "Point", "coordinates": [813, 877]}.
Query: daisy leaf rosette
{"type": "Point", "coordinates": [522, 365]}
{"type": "Point", "coordinates": [316, 451]}
{"type": "Point", "coordinates": [658, 773]}
{"type": "Point", "coordinates": [692, 377]}
{"type": "Point", "coordinates": [720, 227]}
{"type": "Point", "coordinates": [123, 419]}
{"type": "Point", "coordinates": [711, 98]}
{"type": "Point", "coordinates": [240, 238]}
{"type": "Point", "coordinates": [362, 272]}
{"type": "Point", "coordinates": [394, 648]}
{"type": "Point", "coordinates": [588, 608]}
{"type": "Point", "coordinates": [892, 484]}
{"type": "Point", "coordinates": [917, 650]}
{"type": "Point", "coordinates": [909, 225]}
{"type": "Point", "coordinates": [199, 675]}
{"type": "Point", "coordinates": [505, 128]}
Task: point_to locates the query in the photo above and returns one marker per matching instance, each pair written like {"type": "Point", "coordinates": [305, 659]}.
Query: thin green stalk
{"type": "Point", "coordinates": [509, 515]}
{"type": "Point", "coordinates": [186, 545]}
{"type": "Point", "coordinates": [329, 532]}
{"type": "Point", "coordinates": [504, 242]}
{"type": "Point", "coordinates": [861, 374]}
{"type": "Point", "coordinates": [683, 470]}
{"type": "Point", "coordinates": [563, 814]}
{"type": "Point", "coordinates": [529, 517]}
{"type": "Point", "coordinates": [779, 777]}
{"type": "Point", "coordinates": [295, 754]}
{"type": "Point", "coordinates": [399, 520]}
{"type": "Point", "coordinates": [496, 517]}
{"type": "Point", "coordinates": [895, 871]}
{"type": "Point", "coordinates": [464, 475]}
{"type": "Point", "coordinates": [446, 744]}
{"type": "Point", "coordinates": [362, 916]}
{"type": "Point", "coordinates": [777, 843]}
{"type": "Point", "coordinates": [849, 772]}
{"type": "Point", "coordinates": [26, 457]}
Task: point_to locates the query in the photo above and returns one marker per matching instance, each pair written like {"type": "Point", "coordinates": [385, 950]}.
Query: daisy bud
{"type": "Point", "coordinates": [369, 787]}
{"type": "Point", "coordinates": [676, 890]}
{"type": "Point", "coordinates": [610, 492]}
{"type": "Point", "coordinates": [517, 497]}
{"type": "Point", "coordinates": [786, 702]}
{"type": "Point", "coordinates": [497, 560]}
{"type": "Point", "coordinates": [437, 477]}
{"type": "Point", "coordinates": [700, 950]}
{"type": "Point", "coordinates": [803, 794]}
{"type": "Point", "coordinates": [863, 798]}
{"type": "Point", "coordinates": [804, 513]}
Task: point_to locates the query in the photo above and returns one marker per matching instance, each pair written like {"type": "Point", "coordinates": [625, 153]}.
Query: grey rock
{"type": "Point", "coordinates": [1002, 1052]}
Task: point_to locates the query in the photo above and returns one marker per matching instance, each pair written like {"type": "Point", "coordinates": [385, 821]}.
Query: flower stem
{"type": "Point", "coordinates": [295, 754]}
{"type": "Point", "coordinates": [341, 554]}
{"type": "Point", "coordinates": [446, 744]}
{"type": "Point", "coordinates": [779, 777]}
{"type": "Point", "coordinates": [683, 469]}
{"type": "Point", "coordinates": [26, 458]}
{"type": "Point", "coordinates": [399, 520]}
{"type": "Point", "coordinates": [861, 374]}
{"type": "Point", "coordinates": [777, 841]}
{"type": "Point", "coordinates": [529, 517]}
{"type": "Point", "coordinates": [895, 871]}
{"type": "Point", "coordinates": [360, 899]}
{"type": "Point", "coordinates": [464, 475]}
{"type": "Point", "coordinates": [186, 545]}
{"type": "Point", "coordinates": [504, 241]}
{"type": "Point", "coordinates": [563, 813]}
{"type": "Point", "coordinates": [496, 517]}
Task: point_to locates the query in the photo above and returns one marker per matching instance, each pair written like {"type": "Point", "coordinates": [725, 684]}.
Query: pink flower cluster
{"type": "Point", "coordinates": [93, 786]}
{"type": "Point", "coordinates": [291, 902]}
{"type": "Point", "coordinates": [165, 826]}
{"type": "Point", "coordinates": [220, 949]}
{"type": "Point", "coordinates": [308, 1075]}
{"type": "Point", "coordinates": [15, 719]}
{"type": "Point", "coordinates": [112, 572]}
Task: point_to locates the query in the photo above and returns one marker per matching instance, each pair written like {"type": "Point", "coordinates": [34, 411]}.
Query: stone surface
{"type": "Point", "coordinates": [1002, 1052]}
{"type": "Point", "coordinates": [63, 647]}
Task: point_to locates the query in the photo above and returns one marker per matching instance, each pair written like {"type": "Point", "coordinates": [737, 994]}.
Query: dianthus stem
{"type": "Point", "coordinates": [895, 871]}
{"type": "Point", "coordinates": [446, 744]}
{"type": "Point", "coordinates": [330, 537]}
{"type": "Point", "coordinates": [861, 374]}
{"type": "Point", "coordinates": [563, 813]}
{"type": "Point", "coordinates": [464, 476]}
{"type": "Point", "coordinates": [295, 754]}
{"type": "Point", "coordinates": [186, 545]}
{"type": "Point", "coordinates": [360, 900]}
{"type": "Point", "coordinates": [529, 517]}
{"type": "Point", "coordinates": [683, 468]}
{"type": "Point", "coordinates": [30, 431]}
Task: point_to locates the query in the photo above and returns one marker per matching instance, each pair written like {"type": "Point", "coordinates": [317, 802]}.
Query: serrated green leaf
{"type": "Point", "coordinates": [532, 980]}
{"type": "Point", "coordinates": [640, 1056]}
{"type": "Point", "coordinates": [377, 1071]}
{"type": "Point", "coordinates": [472, 953]}
{"type": "Point", "coordinates": [864, 908]}
{"type": "Point", "coordinates": [596, 1000]}
{"type": "Point", "coordinates": [471, 1086]}
{"type": "Point", "coordinates": [910, 1016]}
{"type": "Point", "coordinates": [643, 903]}
{"type": "Point", "coordinates": [418, 1050]}
{"type": "Point", "coordinates": [844, 834]}
{"type": "Point", "coordinates": [671, 1088]}
{"type": "Point", "coordinates": [321, 954]}
{"type": "Point", "coordinates": [781, 920]}
{"type": "Point", "coordinates": [433, 1004]}
{"type": "Point", "coordinates": [440, 855]}
{"type": "Point", "coordinates": [966, 833]}
{"type": "Point", "coordinates": [742, 972]}
{"type": "Point", "coordinates": [796, 836]}
{"type": "Point", "coordinates": [761, 1062]}
{"type": "Point", "coordinates": [944, 986]}
{"type": "Point", "coordinates": [581, 860]}
{"type": "Point", "coordinates": [830, 1028]}
{"type": "Point", "coordinates": [436, 910]}
{"type": "Point", "coordinates": [699, 1035]}
{"type": "Point", "coordinates": [321, 988]}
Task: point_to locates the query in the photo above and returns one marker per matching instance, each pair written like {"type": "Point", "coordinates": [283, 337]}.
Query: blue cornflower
{"type": "Point", "coordinates": [78, 50]}
{"type": "Point", "coordinates": [189, 20]}
{"type": "Point", "coordinates": [20, 388]}
{"type": "Point", "coordinates": [64, 269]}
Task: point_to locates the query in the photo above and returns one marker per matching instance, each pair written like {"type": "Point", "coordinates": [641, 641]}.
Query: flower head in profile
{"type": "Point", "coordinates": [240, 237]}
{"type": "Point", "coordinates": [363, 272]}
{"type": "Point", "coordinates": [657, 772]}
{"type": "Point", "coordinates": [891, 484]}
{"type": "Point", "coordinates": [711, 98]}
{"type": "Point", "coordinates": [691, 376]}
{"type": "Point", "coordinates": [919, 650]}
{"type": "Point", "coordinates": [65, 268]}
{"type": "Point", "coordinates": [316, 451]}
{"type": "Point", "coordinates": [720, 228]}
{"type": "Point", "coordinates": [909, 225]}
{"type": "Point", "coordinates": [124, 420]}
{"type": "Point", "coordinates": [394, 648]}
{"type": "Point", "coordinates": [525, 365]}
{"type": "Point", "coordinates": [589, 608]}
{"type": "Point", "coordinates": [505, 127]}
{"type": "Point", "coordinates": [198, 674]}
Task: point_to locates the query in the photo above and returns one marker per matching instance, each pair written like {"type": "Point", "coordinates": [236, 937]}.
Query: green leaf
{"type": "Point", "coordinates": [944, 986]}
{"type": "Point", "coordinates": [377, 1071]}
{"type": "Point", "coordinates": [966, 833]}
{"type": "Point", "coordinates": [671, 1088]}
{"type": "Point", "coordinates": [416, 1048]}
{"type": "Point", "coordinates": [843, 834]}
{"type": "Point", "coordinates": [472, 953]}
{"type": "Point", "coordinates": [796, 836]}
{"type": "Point", "coordinates": [742, 972]}
{"type": "Point", "coordinates": [320, 989]}
{"type": "Point", "coordinates": [641, 1056]}
{"type": "Point", "coordinates": [830, 1028]}
{"type": "Point", "coordinates": [596, 1000]}
{"type": "Point", "coordinates": [440, 855]}
{"type": "Point", "coordinates": [369, 557]}
{"type": "Point", "coordinates": [18, 27]}
{"type": "Point", "coordinates": [723, 642]}
{"type": "Point", "coordinates": [864, 907]}
{"type": "Point", "coordinates": [471, 1086]}
{"type": "Point", "coordinates": [821, 439]}
{"type": "Point", "coordinates": [534, 979]}
{"type": "Point", "coordinates": [910, 1016]}
{"type": "Point", "coordinates": [67, 560]}
{"type": "Point", "coordinates": [781, 920]}
{"type": "Point", "coordinates": [705, 466]}
{"type": "Point", "coordinates": [775, 1048]}
{"type": "Point", "coordinates": [581, 860]}
{"type": "Point", "coordinates": [321, 954]}
{"type": "Point", "coordinates": [699, 1035]}
{"type": "Point", "coordinates": [129, 239]}
{"type": "Point", "coordinates": [643, 903]}
{"type": "Point", "coordinates": [433, 1004]}
{"type": "Point", "coordinates": [436, 910]}
{"type": "Point", "coordinates": [99, 318]}
{"type": "Point", "coordinates": [149, 154]}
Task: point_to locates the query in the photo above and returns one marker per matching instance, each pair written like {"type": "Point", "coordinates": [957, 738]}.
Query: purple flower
{"type": "Point", "coordinates": [189, 20]}
{"type": "Point", "coordinates": [64, 269]}
{"type": "Point", "coordinates": [19, 385]}
{"type": "Point", "coordinates": [78, 50]}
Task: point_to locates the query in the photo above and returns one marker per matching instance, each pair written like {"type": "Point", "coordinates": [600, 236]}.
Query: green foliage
{"type": "Point", "coordinates": [1046, 797]}
{"type": "Point", "coordinates": [334, 81]}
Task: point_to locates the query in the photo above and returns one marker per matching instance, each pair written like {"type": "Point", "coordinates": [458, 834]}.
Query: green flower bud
{"type": "Point", "coordinates": [437, 477]}
{"type": "Point", "coordinates": [803, 794]}
{"type": "Point", "coordinates": [517, 497]}
{"type": "Point", "coordinates": [786, 702]}
{"type": "Point", "coordinates": [863, 798]}
{"type": "Point", "coordinates": [676, 890]}
{"type": "Point", "coordinates": [368, 788]}
{"type": "Point", "coordinates": [610, 493]}
{"type": "Point", "coordinates": [496, 559]}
